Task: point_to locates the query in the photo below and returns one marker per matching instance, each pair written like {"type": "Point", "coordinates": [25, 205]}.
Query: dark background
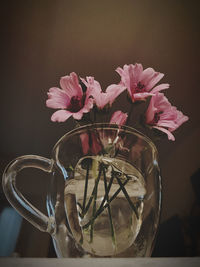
{"type": "Point", "coordinates": [44, 40]}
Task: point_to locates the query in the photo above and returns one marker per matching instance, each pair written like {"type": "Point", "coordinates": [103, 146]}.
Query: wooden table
{"type": "Point", "coordinates": [99, 262]}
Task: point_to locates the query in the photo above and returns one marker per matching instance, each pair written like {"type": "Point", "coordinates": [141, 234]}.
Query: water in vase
{"type": "Point", "coordinates": [104, 205]}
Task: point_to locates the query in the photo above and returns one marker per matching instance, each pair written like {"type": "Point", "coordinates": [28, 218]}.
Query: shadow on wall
{"type": "Point", "coordinates": [44, 40]}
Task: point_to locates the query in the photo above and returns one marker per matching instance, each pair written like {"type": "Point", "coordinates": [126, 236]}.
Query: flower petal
{"type": "Point", "coordinates": [113, 91]}
{"type": "Point", "coordinates": [160, 87]}
{"type": "Point", "coordinates": [180, 119]}
{"type": "Point", "coordinates": [95, 144]}
{"type": "Point", "coordinates": [161, 102]}
{"type": "Point", "coordinates": [119, 117]}
{"type": "Point", "coordinates": [142, 96]}
{"type": "Point", "coordinates": [151, 110]}
{"type": "Point", "coordinates": [93, 85]}
{"type": "Point", "coordinates": [168, 116]}
{"type": "Point", "coordinates": [120, 71]}
{"type": "Point", "coordinates": [138, 69]}
{"type": "Point", "coordinates": [88, 105]}
{"type": "Point", "coordinates": [70, 84]}
{"type": "Point", "coordinates": [57, 98]}
{"type": "Point", "coordinates": [127, 77]}
{"type": "Point", "coordinates": [61, 115]}
{"type": "Point", "coordinates": [169, 134]}
{"type": "Point", "coordinates": [85, 142]}
{"type": "Point", "coordinates": [156, 77]}
{"type": "Point", "coordinates": [94, 90]}
{"type": "Point", "coordinates": [146, 76]}
{"type": "Point", "coordinates": [101, 100]}
{"type": "Point", "coordinates": [78, 115]}
{"type": "Point", "coordinates": [86, 108]}
{"type": "Point", "coordinates": [167, 124]}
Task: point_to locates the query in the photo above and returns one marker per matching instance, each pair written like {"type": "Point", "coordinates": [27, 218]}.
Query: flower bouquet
{"type": "Point", "coordinates": [105, 186]}
{"type": "Point", "coordinates": [106, 189]}
{"type": "Point", "coordinates": [81, 98]}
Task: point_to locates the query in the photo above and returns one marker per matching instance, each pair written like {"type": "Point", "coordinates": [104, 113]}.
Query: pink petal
{"type": "Point", "coordinates": [147, 75]}
{"type": "Point", "coordinates": [85, 142]}
{"type": "Point", "coordinates": [96, 147]}
{"type": "Point", "coordinates": [57, 98]}
{"type": "Point", "coordinates": [157, 76]}
{"type": "Point", "coordinates": [161, 102]}
{"type": "Point", "coordinates": [130, 78]}
{"type": "Point", "coordinates": [113, 91]}
{"type": "Point", "coordinates": [86, 108]}
{"type": "Point", "coordinates": [180, 119]}
{"type": "Point", "coordinates": [138, 69]}
{"type": "Point", "coordinates": [88, 105]}
{"type": "Point", "coordinates": [126, 76]}
{"type": "Point", "coordinates": [151, 110]}
{"type": "Point", "coordinates": [71, 85]}
{"type": "Point", "coordinates": [78, 115]}
{"type": "Point", "coordinates": [61, 115]}
{"type": "Point", "coordinates": [120, 71]}
{"type": "Point", "coordinates": [130, 74]}
{"type": "Point", "coordinates": [142, 96]}
{"type": "Point", "coordinates": [168, 115]}
{"type": "Point", "coordinates": [119, 117]}
{"type": "Point", "coordinates": [94, 90]}
{"type": "Point", "coordinates": [93, 84]}
{"type": "Point", "coordinates": [169, 134]}
{"type": "Point", "coordinates": [100, 100]}
{"type": "Point", "coordinates": [160, 87]}
{"type": "Point", "coordinates": [166, 124]}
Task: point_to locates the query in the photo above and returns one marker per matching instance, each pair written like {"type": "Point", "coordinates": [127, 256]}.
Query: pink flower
{"type": "Point", "coordinates": [85, 142]}
{"type": "Point", "coordinates": [71, 100]}
{"type": "Point", "coordinates": [103, 98]}
{"type": "Point", "coordinates": [90, 142]}
{"type": "Point", "coordinates": [140, 83]}
{"type": "Point", "coordinates": [163, 116]}
{"type": "Point", "coordinates": [119, 117]}
{"type": "Point", "coordinates": [96, 141]}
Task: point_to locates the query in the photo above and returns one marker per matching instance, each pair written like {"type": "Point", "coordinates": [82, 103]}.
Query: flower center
{"type": "Point", "coordinates": [75, 104]}
{"type": "Point", "coordinates": [139, 88]}
{"type": "Point", "coordinates": [156, 117]}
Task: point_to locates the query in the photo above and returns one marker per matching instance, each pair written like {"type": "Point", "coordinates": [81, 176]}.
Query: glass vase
{"type": "Point", "coordinates": [104, 194]}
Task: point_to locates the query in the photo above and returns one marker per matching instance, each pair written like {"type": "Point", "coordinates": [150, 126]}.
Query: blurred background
{"type": "Point", "coordinates": [44, 40]}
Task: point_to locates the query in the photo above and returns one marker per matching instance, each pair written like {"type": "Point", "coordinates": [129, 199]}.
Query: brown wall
{"type": "Point", "coordinates": [44, 40]}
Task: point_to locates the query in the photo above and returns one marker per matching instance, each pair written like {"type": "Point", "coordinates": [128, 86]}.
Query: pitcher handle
{"type": "Point", "coordinates": [17, 200]}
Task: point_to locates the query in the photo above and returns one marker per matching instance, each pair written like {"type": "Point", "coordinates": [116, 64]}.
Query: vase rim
{"type": "Point", "coordinates": [106, 125]}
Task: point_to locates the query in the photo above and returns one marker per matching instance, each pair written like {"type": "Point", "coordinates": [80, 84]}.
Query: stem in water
{"type": "Point", "coordinates": [109, 209]}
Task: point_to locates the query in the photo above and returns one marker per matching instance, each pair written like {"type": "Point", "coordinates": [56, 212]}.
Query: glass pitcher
{"type": "Point", "coordinates": [105, 192]}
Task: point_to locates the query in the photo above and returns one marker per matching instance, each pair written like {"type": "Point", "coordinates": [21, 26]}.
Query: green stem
{"type": "Point", "coordinates": [109, 209]}
{"type": "Point", "coordinates": [102, 208]}
{"type": "Point", "coordinates": [94, 203]}
{"type": "Point", "coordinates": [80, 206]}
{"type": "Point", "coordinates": [94, 112]}
{"type": "Point", "coordinates": [86, 186]}
{"type": "Point", "coordinates": [92, 224]}
{"type": "Point", "coordinates": [127, 196]}
{"type": "Point", "coordinates": [108, 190]}
{"type": "Point", "coordinates": [129, 114]}
{"type": "Point", "coordinates": [92, 195]}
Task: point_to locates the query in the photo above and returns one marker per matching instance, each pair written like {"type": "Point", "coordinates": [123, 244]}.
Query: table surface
{"type": "Point", "coordinates": [99, 262]}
